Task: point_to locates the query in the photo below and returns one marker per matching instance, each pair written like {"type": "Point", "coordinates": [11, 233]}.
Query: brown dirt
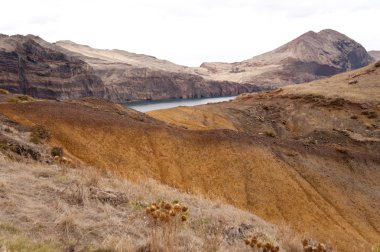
{"type": "Point", "coordinates": [324, 193]}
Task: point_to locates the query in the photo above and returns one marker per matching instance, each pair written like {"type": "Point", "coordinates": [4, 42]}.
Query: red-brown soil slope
{"type": "Point", "coordinates": [325, 191]}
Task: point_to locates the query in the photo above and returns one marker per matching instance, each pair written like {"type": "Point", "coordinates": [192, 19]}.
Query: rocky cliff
{"type": "Point", "coordinates": [28, 67]}
{"type": "Point", "coordinates": [65, 69]}
{"type": "Point", "coordinates": [32, 66]}
{"type": "Point", "coordinates": [308, 57]}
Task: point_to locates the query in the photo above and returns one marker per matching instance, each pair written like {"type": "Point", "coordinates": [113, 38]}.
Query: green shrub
{"type": "Point", "coordinates": [56, 151]}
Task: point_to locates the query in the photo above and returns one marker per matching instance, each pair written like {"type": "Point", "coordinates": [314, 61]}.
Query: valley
{"type": "Point", "coordinates": [293, 157]}
{"type": "Point", "coordinates": [304, 159]}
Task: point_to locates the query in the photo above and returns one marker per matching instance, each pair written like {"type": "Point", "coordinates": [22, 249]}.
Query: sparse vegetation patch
{"type": "Point", "coordinates": [3, 91]}
{"type": "Point", "coordinates": [56, 152]}
{"type": "Point", "coordinates": [270, 134]}
{"type": "Point", "coordinates": [39, 134]}
{"type": "Point", "coordinates": [21, 99]}
{"type": "Point", "coordinates": [370, 114]}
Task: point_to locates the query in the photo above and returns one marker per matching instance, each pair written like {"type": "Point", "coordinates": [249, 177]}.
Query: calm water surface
{"type": "Point", "coordinates": [145, 106]}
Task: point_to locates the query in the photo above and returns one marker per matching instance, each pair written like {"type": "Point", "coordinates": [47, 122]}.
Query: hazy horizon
{"type": "Point", "coordinates": [190, 32]}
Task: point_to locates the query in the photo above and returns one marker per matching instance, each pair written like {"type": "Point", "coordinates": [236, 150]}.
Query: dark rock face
{"type": "Point", "coordinates": [64, 70]}
{"type": "Point", "coordinates": [32, 69]}
{"type": "Point", "coordinates": [29, 65]}
{"type": "Point", "coordinates": [171, 86]}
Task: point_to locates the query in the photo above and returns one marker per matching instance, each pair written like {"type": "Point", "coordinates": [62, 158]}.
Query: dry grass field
{"type": "Point", "coordinates": [58, 208]}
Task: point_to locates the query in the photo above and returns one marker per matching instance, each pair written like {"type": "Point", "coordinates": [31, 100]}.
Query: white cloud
{"type": "Point", "coordinates": [190, 31]}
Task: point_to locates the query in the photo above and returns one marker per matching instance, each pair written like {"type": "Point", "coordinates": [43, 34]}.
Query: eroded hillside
{"type": "Point", "coordinates": [55, 204]}
{"type": "Point", "coordinates": [337, 117]}
{"type": "Point", "coordinates": [321, 181]}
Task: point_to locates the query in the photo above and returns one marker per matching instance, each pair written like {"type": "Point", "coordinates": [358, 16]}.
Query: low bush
{"type": "Point", "coordinates": [270, 134]}
{"type": "Point", "coordinates": [3, 91]}
{"type": "Point", "coordinates": [56, 152]}
{"type": "Point", "coordinates": [39, 134]}
{"type": "Point", "coordinates": [370, 114]}
{"type": "Point", "coordinates": [21, 99]}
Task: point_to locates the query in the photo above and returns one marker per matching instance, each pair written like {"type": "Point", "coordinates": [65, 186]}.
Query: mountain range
{"type": "Point", "coordinates": [62, 70]}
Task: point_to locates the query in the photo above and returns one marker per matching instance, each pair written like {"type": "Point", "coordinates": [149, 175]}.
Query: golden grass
{"type": "Point", "coordinates": [305, 191]}
{"type": "Point", "coordinates": [37, 216]}
{"type": "Point", "coordinates": [21, 99]}
{"type": "Point", "coordinates": [22, 244]}
{"type": "Point", "coordinates": [3, 91]}
{"type": "Point", "coordinates": [187, 116]}
{"type": "Point", "coordinates": [366, 88]}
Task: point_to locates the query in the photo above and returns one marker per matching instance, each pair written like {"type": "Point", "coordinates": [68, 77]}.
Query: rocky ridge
{"type": "Point", "coordinates": [32, 66]}
{"type": "Point", "coordinates": [309, 57]}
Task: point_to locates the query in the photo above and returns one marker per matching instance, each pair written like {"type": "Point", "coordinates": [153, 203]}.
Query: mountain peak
{"type": "Point", "coordinates": [310, 56]}
{"type": "Point", "coordinates": [329, 31]}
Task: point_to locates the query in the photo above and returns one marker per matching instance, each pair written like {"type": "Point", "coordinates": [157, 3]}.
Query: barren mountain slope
{"type": "Point", "coordinates": [32, 66]}
{"type": "Point", "coordinates": [335, 115]}
{"type": "Point", "coordinates": [308, 57]}
{"type": "Point", "coordinates": [309, 186]}
{"type": "Point", "coordinates": [131, 76]}
{"type": "Point", "coordinates": [375, 54]}
{"type": "Point", "coordinates": [50, 205]}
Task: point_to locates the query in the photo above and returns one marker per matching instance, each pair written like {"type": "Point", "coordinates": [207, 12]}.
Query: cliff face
{"type": "Point", "coordinates": [64, 69]}
{"type": "Point", "coordinates": [32, 66]}
{"type": "Point", "coordinates": [129, 76]}
{"type": "Point", "coordinates": [308, 57]}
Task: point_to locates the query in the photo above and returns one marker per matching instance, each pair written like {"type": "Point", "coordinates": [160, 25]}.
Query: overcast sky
{"type": "Point", "coordinates": [190, 32]}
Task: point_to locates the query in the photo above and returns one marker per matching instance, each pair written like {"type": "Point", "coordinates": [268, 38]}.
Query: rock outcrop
{"type": "Point", "coordinates": [29, 67]}
{"type": "Point", "coordinates": [308, 57]}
